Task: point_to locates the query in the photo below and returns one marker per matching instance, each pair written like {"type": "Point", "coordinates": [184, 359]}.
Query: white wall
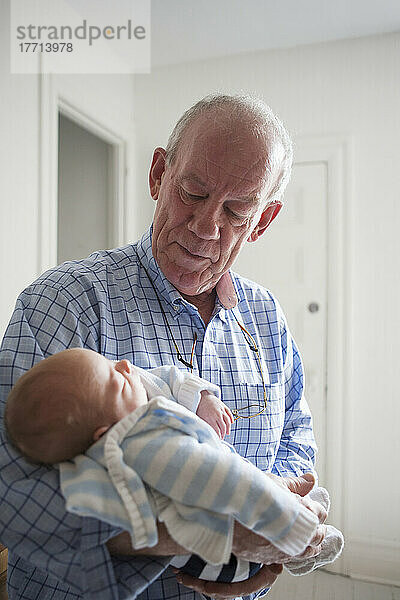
{"type": "Point", "coordinates": [106, 100]}
{"type": "Point", "coordinates": [348, 88]}
{"type": "Point", "coordinates": [19, 176]}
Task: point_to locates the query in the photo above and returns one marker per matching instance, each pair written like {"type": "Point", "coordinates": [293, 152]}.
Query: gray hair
{"type": "Point", "coordinates": [262, 122]}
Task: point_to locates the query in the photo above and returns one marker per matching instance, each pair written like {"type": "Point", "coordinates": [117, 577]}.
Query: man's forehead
{"type": "Point", "coordinates": [216, 132]}
{"type": "Point", "coordinates": [216, 151]}
{"type": "Point", "coordinates": [246, 173]}
{"type": "Point", "coordinates": [208, 139]}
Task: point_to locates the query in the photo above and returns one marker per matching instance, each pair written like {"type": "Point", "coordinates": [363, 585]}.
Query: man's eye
{"type": "Point", "coordinates": [236, 217]}
{"type": "Point", "coordinates": [192, 197]}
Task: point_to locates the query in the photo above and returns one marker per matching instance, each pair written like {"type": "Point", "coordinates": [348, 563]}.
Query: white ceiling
{"type": "Point", "coordinates": [187, 30]}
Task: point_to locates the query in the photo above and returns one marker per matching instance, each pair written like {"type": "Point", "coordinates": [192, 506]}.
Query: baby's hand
{"type": "Point", "coordinates": [214, 412]}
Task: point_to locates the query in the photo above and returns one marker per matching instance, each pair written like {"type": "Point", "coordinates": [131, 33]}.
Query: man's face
{"type": "Point", "coordinates": [209, 202]}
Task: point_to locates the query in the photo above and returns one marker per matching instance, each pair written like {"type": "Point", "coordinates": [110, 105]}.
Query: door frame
{"type": "Point", "coordinates": [52, 103]}
{"type": "Point", "coordinates": [337, 153]}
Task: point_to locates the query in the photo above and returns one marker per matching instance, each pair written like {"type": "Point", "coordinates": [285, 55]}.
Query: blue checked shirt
{"type": "Point", "coordinates": [107, 303]}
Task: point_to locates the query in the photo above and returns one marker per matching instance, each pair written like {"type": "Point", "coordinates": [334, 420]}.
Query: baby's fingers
{"type": "Point", "coordinates": [222, 427]}
{"type": "Point", "coordinates": [229, 413]}
{"type": "Point", "coordinates": [228, 422]}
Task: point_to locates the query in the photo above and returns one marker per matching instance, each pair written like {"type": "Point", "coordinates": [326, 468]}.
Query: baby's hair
{"type": "Point", "coordinates": [46, 414]}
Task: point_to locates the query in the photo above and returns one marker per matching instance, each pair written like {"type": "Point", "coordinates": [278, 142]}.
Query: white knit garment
{"type": "Point", "coordinates": [331, 547]}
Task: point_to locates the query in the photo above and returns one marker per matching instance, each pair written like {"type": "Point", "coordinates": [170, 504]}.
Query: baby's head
{"type": "Point", "coordinates": [67, 401]}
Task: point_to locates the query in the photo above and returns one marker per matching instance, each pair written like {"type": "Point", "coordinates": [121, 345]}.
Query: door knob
{"type": "Point", "coordinates": [313, 307]}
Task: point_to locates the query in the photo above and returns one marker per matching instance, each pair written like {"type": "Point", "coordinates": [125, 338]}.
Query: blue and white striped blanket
{"type": "Point", "coordinates": [164, 463]}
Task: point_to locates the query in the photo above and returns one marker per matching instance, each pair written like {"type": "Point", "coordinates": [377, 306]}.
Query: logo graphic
{"type": "Point", "coordinates": [80, 36]}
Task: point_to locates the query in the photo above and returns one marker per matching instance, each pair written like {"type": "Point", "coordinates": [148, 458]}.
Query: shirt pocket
{"type": "Point", "coordinates": [257, 438]}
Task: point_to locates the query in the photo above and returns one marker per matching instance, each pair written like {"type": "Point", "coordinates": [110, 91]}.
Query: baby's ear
{"type": "Point", "coordinates": [99, 432]}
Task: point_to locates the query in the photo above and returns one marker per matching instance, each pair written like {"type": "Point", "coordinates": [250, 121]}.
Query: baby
{"type": "Point", "coordinates": [66, 402]}
{"type": "Point", "coordinates": [158, 461]}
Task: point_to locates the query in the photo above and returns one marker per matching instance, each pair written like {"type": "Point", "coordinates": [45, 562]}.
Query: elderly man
{"type": "Point", "coordinates": [170, 298]}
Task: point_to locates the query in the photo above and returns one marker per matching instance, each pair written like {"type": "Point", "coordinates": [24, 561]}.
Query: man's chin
{"type": "Point", "coordinates": [192, 284]}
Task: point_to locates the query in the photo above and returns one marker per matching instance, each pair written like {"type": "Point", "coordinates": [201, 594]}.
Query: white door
{"type": "Point", "coordinates": [291, 259]}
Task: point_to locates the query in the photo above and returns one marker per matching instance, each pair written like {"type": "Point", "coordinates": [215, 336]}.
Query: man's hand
{"type": "Point", "coordinates": [214, 412]}
{"type": "Point", "coordinates": [302, 486]}
{"type": "Point", "coordinates": [265, 577]}
{"type": "Point", "coordinates": [250, 546]}
{"type": "Point", "coordinates": [254, 548]}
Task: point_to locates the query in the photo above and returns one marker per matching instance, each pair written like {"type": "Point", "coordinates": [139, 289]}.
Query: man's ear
{"type": "Point", "coordinates": [268, 215]}
{"type": "Point", "coordinates": [156, 172]}
{"type": "Point", "coordinates": [99, 432]}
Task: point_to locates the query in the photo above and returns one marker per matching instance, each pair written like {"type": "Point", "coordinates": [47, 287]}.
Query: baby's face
{"type": "Point", "coordinates": [119, 384]}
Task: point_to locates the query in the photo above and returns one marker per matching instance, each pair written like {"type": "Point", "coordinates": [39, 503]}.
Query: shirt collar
{"type": "Point", "coordinates": [163, 287]}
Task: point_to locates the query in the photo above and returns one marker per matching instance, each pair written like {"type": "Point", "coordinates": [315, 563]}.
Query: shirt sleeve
{"type": "Point", "coordinates": [186, 387]}
{"type": "Point", "coordinates": [297, 449]}
{"type": "Point", "coordinates": [33, 521]}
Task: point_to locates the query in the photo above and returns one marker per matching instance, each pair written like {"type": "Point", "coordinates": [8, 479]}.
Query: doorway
{"type": "Point", "coordinates": [85, 199]}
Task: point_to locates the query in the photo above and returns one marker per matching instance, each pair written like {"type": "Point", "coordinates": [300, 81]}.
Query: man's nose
{"type": "Point", "coordinates": [205, 221]}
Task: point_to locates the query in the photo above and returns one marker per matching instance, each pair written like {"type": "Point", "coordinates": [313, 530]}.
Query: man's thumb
{"type": "Point", "coordinates": [303, 484]}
